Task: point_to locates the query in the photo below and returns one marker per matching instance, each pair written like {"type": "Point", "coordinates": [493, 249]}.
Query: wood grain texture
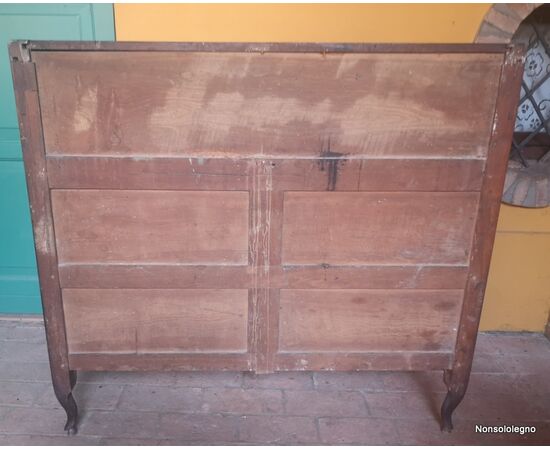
{"type": "Point", "coordinates": [136, 276]}
{"type": "Point", "coordinates": [195, 218]}
{"type": "Point", "coordinates": [156, 320]}
{"type": "Point", "coordinates": [261, 47]}
{"type": "Point", "coordinates": [32, 143]}
{"type": "Point", "coordinates": [148, 173]}
{"type": "Point", "coordinates": [170, 276]}
{"type": "Point", "coordinates": [264, 207]}
{"type": "Point", "coordinates": [151, 226]}
{"type": "Point", "coordinates": [378, 228]}
{"type": "Point", "coordinates": [353, 320]}
{"type": "Point", "coordinates": [457, 378]}
{"type": "Point", "coordinates": [160, 361]}
{"type": "Point", "coordinates": [259, 259]}
{"type": "Point", "coordinates": [487, 216]}
{"type": "Point", "coordinates": [345, 361]}
{"type": "Point", "coordinates": [368, 277]}
{"type": "Point", "coordinates": [371, 174]}
{"type": "Point", "coordinates": [286, 104]}
{"type": "Point", "coordinates": [85, 172]}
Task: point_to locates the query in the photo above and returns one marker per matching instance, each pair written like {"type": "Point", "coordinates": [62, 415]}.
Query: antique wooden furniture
{"type": "Point", "coordinates": [264, 207]}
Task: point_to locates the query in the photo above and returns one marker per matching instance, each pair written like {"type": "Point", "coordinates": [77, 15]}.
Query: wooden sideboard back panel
{"type": "Point", "coordinates": [239, 104]}
{"type": "Point", "coordinates": [279, 210]}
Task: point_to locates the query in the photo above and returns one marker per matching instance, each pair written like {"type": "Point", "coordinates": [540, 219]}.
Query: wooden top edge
{"type": "Point", "coordinates": [18, 49]}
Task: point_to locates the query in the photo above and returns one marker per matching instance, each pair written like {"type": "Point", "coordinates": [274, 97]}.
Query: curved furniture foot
{"type": "Point", "coordinates": [72, 378]}
{"type": "Point", "coordinates": [69, 405]}
{"type": "Point", "coordinates": [447, 408]}
{"type": "Point", "coordinates": [63, 383]}
{"type": "Point", "coordinates": [455, 394]}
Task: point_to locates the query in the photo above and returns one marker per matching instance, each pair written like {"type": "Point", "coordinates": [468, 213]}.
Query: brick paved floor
{"type": "Point", "coordinates": [510, 385]}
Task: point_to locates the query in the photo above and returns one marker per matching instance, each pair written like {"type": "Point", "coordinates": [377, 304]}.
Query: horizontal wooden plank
{"type": "Point", "coordinates": [371, 174]}
{"type": "Point", "coordinates": [249, 104]}
{"type": "Point", "coordinates": [193, 227]}
{"type": "Point", "coordinates": [260, 47]}
{"type": "Point", "coordinates": [159, 362]}
{"type": "Point", "coordinates": [156, 320]}
{"type": "Point", "coordinates": [341, 174]}
{"type": "Point", "coordinates": [356, 228]}
{"type": "Point", "coordinates": [363, 361]}
{"type": "Point", "coordinates": [354, 320]}
{"type": "Point", "coordinates": [119, 276]}
{"type": "Point", "coordinates": [282, 361]}
{"type": "Point", "coordinates": [368, 277]}
{"type": "Point", "coordinates": [147, 173]}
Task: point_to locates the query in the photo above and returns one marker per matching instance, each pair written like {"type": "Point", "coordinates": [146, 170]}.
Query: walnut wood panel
{"type": "Point", "coordinates": [283, 362]}
{"type": "Point", "coordinates": [353, 320]}
{"type": "Point", "coordinates": [458, 377]}
{"type": "Point", "coordinates": [261, 227]}
{"type": "Point", "coordinates": [151, 226]}
{"type": "Point", "coordinates": [32, 144]}
{"type": "Point", "coordinates": [264, 206]}
{"type": "Point", "coordinates": [262, 47]}
{"type": "Point", "coordinates": [139, 276]}
{"type": "Point", "coordinates": [160, 361]}
{"type": "Point", "coordinates": [416, 360]}
{"type": "Point", "coordinates": [156, 320]}
{"type": "Point", "coordinates": [365, 277]}
{"type": "Point", "coordinates": [117, 276]}
{"type": "Point", "coordinates": [342, 174]}
{"type": "Point", "coordinates": [290, 104]}
{"type": "Point", "coordinates": [378, 228]}
{"type": "Point", "coordinates": [148, 173]}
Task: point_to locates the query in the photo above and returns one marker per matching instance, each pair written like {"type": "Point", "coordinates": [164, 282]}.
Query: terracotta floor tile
{"type": "Point", "coordinates": [367, 381]}
{"type": "Point", "coordinates": [120, 424]}
{"type": "Point", "coordinates": [277, 430]}
{"type": "Point", "coordinates": [282, 380]}
{"type": "Point", "coordinates": [203, 428]}
{"type": "Point", "coordinates": [404, 405]}
{"type": "Point", "coordinates": [366, 431]}
{"type": "Point", "coordinates": [413, 381]}
{"type": "Point", "coordinates": [242, 401]}
{"type": "Point", "coordinates": [325, 403]}
{"type": "Point", "coordinates": [161, 399]}
{"type": "Point", "coordinates": [209, 379]}
{"type": "Point", "coordinates": [509, 386]}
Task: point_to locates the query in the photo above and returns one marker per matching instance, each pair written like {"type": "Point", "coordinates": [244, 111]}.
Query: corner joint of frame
{"type": "Point", "coordinates": [515, 55]}
{"type": "Point", "coordinates": [20, 51]}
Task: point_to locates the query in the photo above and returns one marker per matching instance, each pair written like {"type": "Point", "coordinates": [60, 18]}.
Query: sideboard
{"type": "Point", "coordinates": [264, 207]}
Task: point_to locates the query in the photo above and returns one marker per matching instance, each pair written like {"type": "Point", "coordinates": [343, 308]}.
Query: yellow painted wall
{"type": "Point", "coordinates": [299, 22]}
{"type": "Point", "coordinates": [518, 291]}
{"type": "Point", "coordinates": [518, 294]}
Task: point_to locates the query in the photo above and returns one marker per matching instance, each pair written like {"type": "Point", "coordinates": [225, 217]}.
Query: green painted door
{"type": "Point", "coordinates": [19, 292]}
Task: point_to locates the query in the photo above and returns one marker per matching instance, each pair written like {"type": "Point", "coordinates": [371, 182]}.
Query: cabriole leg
{"type": "Point", "coordinates": [63, 384]}
{"type": "Point", "coordinates": [456, 389]}
{"type": "Point", "coordinates": [72, 378]}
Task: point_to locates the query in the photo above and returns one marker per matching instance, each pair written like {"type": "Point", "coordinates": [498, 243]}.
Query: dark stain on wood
{"type": "Point", "coordinates": [330, 162]}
